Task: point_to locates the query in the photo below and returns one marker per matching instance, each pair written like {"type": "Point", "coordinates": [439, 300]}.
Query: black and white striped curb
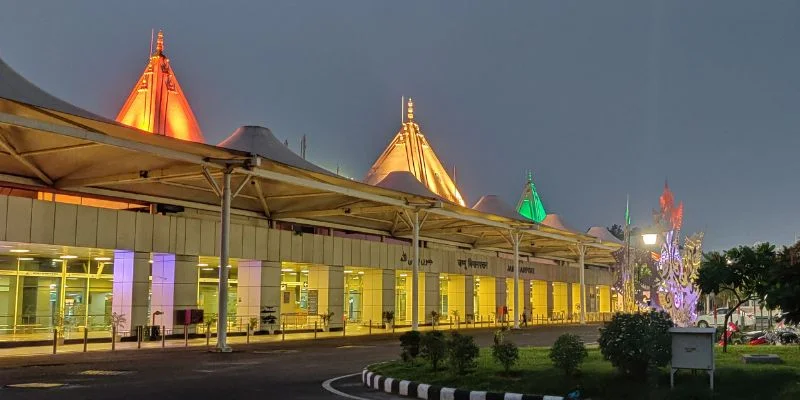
{"type": "Point", "coordinates": [430, 392]}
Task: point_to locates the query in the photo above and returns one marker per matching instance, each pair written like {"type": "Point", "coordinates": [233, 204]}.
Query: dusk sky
{"type": "Point", "coordinates": [598, 98]}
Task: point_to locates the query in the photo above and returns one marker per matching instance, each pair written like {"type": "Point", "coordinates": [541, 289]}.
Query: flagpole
{"type": "Point", "coordinates": [629, 298]}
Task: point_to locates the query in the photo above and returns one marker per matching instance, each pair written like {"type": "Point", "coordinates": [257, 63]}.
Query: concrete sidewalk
{"type": "Point", "coordinates": [200, 343]}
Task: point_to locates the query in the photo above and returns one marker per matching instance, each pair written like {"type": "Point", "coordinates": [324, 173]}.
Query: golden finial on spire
{"type": "Point", "coordinates": [160, 42]}
{"type": "Point", "coordinates": [410, 110]}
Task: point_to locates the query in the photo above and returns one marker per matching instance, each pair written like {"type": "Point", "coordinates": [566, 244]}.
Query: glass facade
{"type": "Point", "coordinates": [39, 293]}
{"type": "Point", "coordinates": [353, 295]}
{"type": "Point", "coordinates": [208, 291]}
{"type": "Point", "coordinates": [402, 291]}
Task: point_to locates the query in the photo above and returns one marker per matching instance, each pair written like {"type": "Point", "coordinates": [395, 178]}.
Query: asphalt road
{"type": "Point", "coordinates": [275, 371]}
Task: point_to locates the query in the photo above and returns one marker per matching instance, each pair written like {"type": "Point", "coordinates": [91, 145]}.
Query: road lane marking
{"type": "Point", "coordinates": [355, 346]}
{"type": "Point", "coordinates": [101, 372]}
{"type": "Point", "coordinates": [327, 385]}
{"type": "Point", "coordinates": [276, 351]}
{"type": "Point", "coordinates": [36, 385]}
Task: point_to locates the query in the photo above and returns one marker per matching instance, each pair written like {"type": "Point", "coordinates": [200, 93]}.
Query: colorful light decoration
{"type": "Point", "coordinates": [677, 294]}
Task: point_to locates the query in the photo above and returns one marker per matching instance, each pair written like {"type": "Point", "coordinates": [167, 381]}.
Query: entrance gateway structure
{"type": "Point", "coordinates": [96, 217]}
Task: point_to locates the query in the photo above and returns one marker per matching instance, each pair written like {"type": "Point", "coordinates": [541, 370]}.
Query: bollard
{"type": "Point", "coordinates": [248, 335]}
{"type": "Point", "coordinates": [113, 338]}
{"type": "Point", "coordinates": [55, 340]}
{"type": "Point", "coordinates": [139, 332]}
{"type": "Point", "coordinates": [370, 327]}
{"type": "Point", "coordinates": [283, 332]}
{"type": "Point", "coordinates": [185, 336]}
{"type": "Point", "coordinates": [344, 327]}
{"type": "Point", "coordinates": [208, 335]}
{"type": "Point", "coordinates": [315, 329]}
{"type": "Point", "coordinates": [392, 328]}
{"type": "Point", "coordinates": [85, 338]}
{"type": "Point", "coordinates": [163, 337]}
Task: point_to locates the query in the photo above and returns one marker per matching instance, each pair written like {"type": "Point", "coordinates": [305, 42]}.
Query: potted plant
{"type": "Point", "coordinates": [457, 317]}
{"type": "Point", "coordinates": [269, 319]}
{"type": "Point", "coordinates": [210, 321]}
{"type": "Point", "coordinates": [326, 320]}
{"type": "Point", "coordinates": [469, 318]}
{"type": "Point", "coordinates": [434, 318]}
{"type": "Point", "coordinates": [59, 326]}
{"type": "Point", "coordinates": [252, 325]}
{"type": "Point", "coordinates": [388, 316]}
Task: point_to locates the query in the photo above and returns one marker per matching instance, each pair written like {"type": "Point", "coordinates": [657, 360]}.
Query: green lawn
{"type": "Point", "coordinates": [534, 374]}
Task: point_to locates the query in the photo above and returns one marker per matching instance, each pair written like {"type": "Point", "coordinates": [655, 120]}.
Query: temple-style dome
{"type": "Point", "coordinates": [157, 103]}
{"type": "Point", "coordinates": [410, 151]}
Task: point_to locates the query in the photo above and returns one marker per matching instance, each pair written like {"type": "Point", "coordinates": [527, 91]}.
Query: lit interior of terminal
{"type": "Point", "coordinates": [101, 217]}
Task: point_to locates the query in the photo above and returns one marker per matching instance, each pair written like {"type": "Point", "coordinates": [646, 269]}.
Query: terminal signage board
{"type": "Point", "coordinates": [313, 302]}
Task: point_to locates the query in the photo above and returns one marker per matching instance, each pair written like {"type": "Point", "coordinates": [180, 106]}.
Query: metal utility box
{"type": "Point", "coordinates": [692, 348]}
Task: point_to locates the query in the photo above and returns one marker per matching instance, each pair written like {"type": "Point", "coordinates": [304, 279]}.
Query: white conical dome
{"type": "Point", "coordinates": [492, 204]}
{"type": "Point", "coordinates": [555, 221]}
{"type": "Point", "coordinates": [259, 140]}
{"type": "Point", "coordinates": [603, 234]}
{"type": "Point", "coordinates": [406, 182]}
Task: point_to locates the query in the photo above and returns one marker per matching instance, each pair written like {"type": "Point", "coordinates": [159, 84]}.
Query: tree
{"type": "Point", "coordinates": [784, 284]}
{"type": "Point", "coordinates": [742, 272]}
{"type": "Point", "coordinates": [618, 231]}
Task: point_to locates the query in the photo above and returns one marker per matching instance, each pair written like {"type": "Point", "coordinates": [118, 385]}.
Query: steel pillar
{"type": "Point", "coordinates": [515, 239]}
{"type": "Point", "coordinates": [415, 275]}
{"type": "Point", "coordinates": [581, 265]}
{"type": "Point", "coordinates": [224, 271]}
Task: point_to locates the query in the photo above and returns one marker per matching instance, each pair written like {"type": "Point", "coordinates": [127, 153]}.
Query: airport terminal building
{"type": "Point", "coordinates": [101, 217]}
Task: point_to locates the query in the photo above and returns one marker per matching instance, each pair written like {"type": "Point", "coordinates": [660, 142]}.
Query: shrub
{"type": "Point", "coordinates": [433, 347]}
{"type": "Point", "coordinates": [409, 342]}
{"type": "Point", "coordinates": [462, 352]}
{"type": "Point", "coordinates": [504, 352]}
{"type": "Point", "coordinates": [635, 343]}
{"type": "Point", "coordinates": [568, 352]}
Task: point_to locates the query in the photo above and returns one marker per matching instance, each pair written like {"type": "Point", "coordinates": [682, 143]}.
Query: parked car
{"type": "Point", "coordinates": [739, 317]}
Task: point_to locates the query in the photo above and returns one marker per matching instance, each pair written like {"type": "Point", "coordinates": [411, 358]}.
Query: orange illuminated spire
{"type": "Point", "coordinates": [410, 151]}
{"type": "Point", "coordinates": [157, 103]}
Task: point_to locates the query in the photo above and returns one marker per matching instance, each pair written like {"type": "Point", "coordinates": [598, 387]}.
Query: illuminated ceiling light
{"type": "Point", "coordinates": [150, 261]}
{"type": "Point", "coordinates": [208, 269]}
{"type": "Point", "coordinates": [102, 258]}
{"type": "Point", "coordinates": [403, 275]}
{"type": "Point", "coordinates": [202, 265]}
{"type": "Point", "coordinates": [361, 272]}
{"type": "Point", "coordinates": [68, 257]}
{"type": "Point", "coordinates": [19, 250]}
{"type": "Point", "coordinates": [25, 259]}
{"type": "Point", "coordinates": [305, 271]}
{"type": "Point", "coordinates": [347, 271]}
{"type": "Point", "coordinates": [287, 270]}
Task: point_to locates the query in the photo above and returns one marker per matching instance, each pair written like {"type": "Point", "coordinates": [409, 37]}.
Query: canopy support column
{"type": "Point", "coordinates": [415, 275]}
{"type": "Point", "coordinates": [581, 264]}
{"type": "Point", "coordinates": [415, 223]}
{"type": "Point", "coordinates": [222, 321]}
{"type": "Point", "coordinates": [516, 237]}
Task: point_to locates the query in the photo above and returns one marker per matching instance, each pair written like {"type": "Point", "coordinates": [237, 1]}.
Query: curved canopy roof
{"type": "Point", "coordinates": [260, 141]}
{"type": "Point", "coordinates": [14, 86]}
{"type": "Point", "coordinates": [65, 150]}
